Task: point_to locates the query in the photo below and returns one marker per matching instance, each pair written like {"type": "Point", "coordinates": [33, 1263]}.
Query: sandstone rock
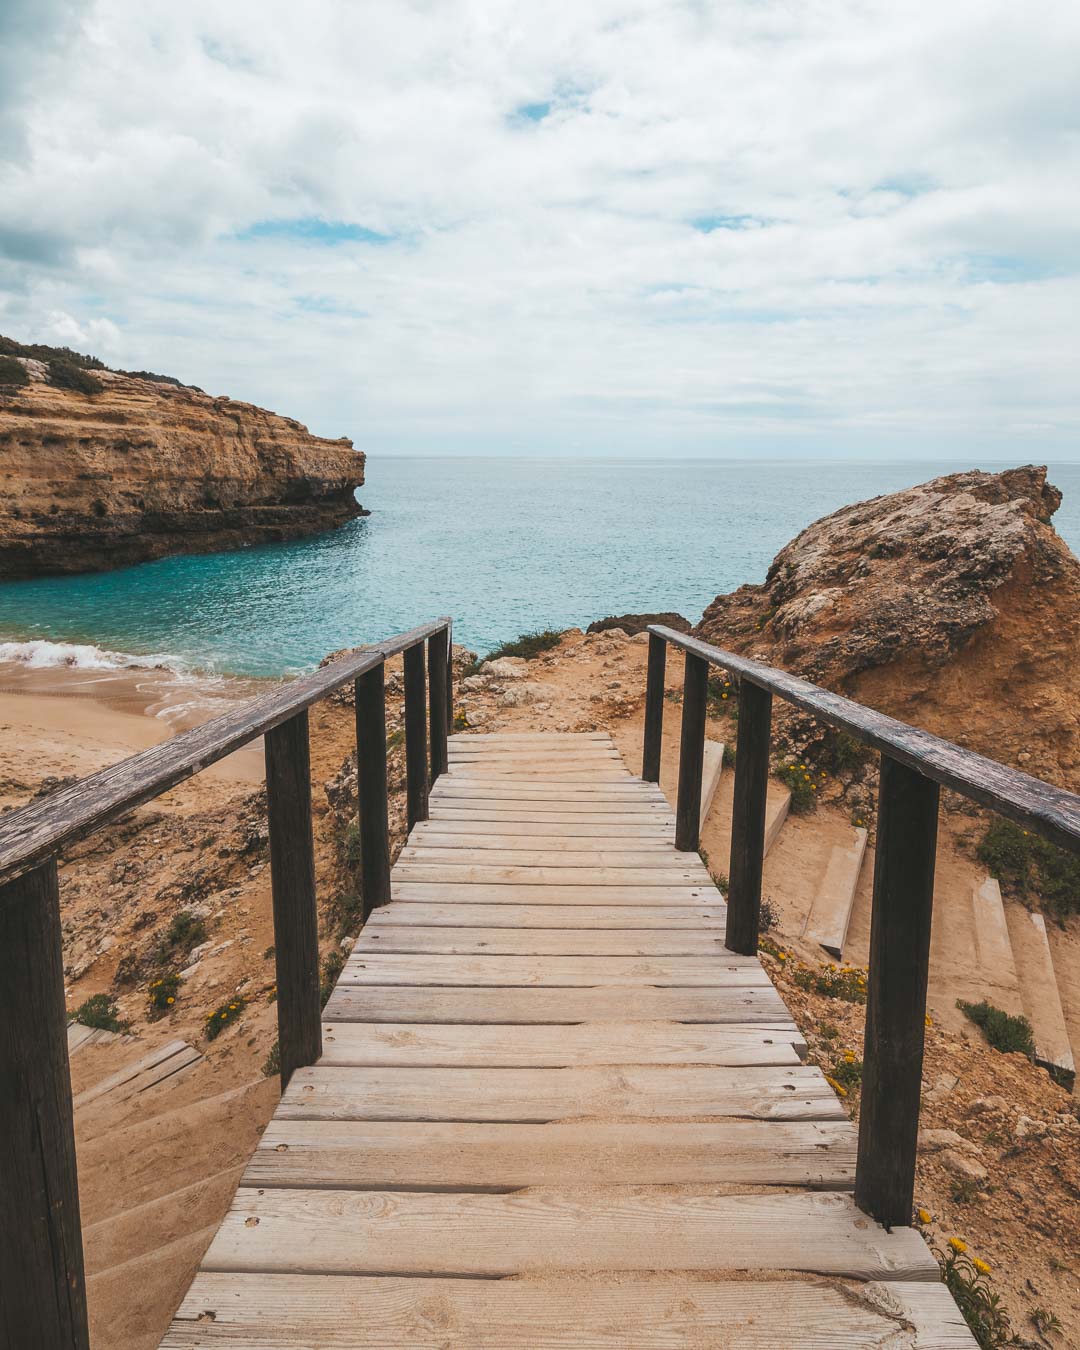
{"type": "Point", "coordinates": [926, 604]}
{"type": "Point", "coordinates": [933, 1141]}
{"type": "Point", "coordinates": [967, 1169]}
{"type": "Point", "coordinates": [144, 469]}
{"type": "Point", "coordinates": [633, 624]}
{"type": "Point", "coordinates": [506, 668]}
{"type": "Point", "coordinates": [473, 684]}
{"type": "Point", "coordinates": [982, 1105]}
{"type": "Point", "coordinates": [520, 694]}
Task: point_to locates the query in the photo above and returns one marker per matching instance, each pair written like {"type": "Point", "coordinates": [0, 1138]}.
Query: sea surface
{"type": "Point", "coordinates": [505, 546]}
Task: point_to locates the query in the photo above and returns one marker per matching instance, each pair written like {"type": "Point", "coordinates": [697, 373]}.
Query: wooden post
{"type": "Point", "coordinates": [654, 710]}
{"type": "Point", "coordinates": [449, 678]}
{"type": "Point", "coordinates": [292, 875]}
{"type": "Point", "coordinates": [437, 673]}
{"type": "Point", "coordinates": [691, 753]}
{"type": "Point", "coordinates": [416, 768]}
{"type": "Point", "coordinates": [896, 997]}
{"type": "Point", "coordinates": [371, 791]}
{"type": "Point", "coordinates": [748, 818]}
{"type": "Point", "coordinates": [42, 1282]}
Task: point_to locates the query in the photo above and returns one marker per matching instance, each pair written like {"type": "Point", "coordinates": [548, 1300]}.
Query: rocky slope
{"type": "Point", "coordinates": [144, 468]}
{"type": "Point", "coordinates": [953, 605]}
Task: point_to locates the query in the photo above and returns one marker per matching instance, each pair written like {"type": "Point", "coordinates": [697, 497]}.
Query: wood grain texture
{"type": "Point", "coordinates": [517, 917]}
{"type": "Point", "coordinates": [564, 854]}
{"type": "Point", "coordinates": [719, 972]}
{"type": "Point", "coordinates": [409, 939]}
{"type": "Point", "coordinates": [691, 753]}
{"type": "Point", "coordinates": [748, 817]}
{"type": "Point", "coordinates": [439, 829]}
{"type": "Point", "coordinates": [374, 802]}
{"type": "Point", "coordinates": [357, 1155]}
{"type": "Point", "coordinates": [498, 1235]}
{"type": "Point", "coordinates": [355, 1003]}
{"type": "Point", "coordinates": [669, 1312]}
{"type": "Point", "coordinates": [554, 893]}
{"type": "Point", "coordinates": [523, 875]}
{"type": "Point", "coordinates": [554, 1047]}
{"type": "Point", "coordinates": [631, 841]}
{"type": "Point", "coordinates": [789, 1092]}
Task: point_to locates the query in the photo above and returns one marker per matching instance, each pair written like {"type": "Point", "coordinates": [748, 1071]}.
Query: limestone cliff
{"type": "Point", "coordinates": [144, 468]}
{"type": "Point", "coordinates": [953, 605]}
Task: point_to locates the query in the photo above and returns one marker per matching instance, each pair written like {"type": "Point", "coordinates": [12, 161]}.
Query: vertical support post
{"type": "Point", "coordinates": [416, 768]}
{"type": "Point", "coordinates": [896, 999]}
{"type": "Point", "coordinates": [42, 1281]}
{"type": "Point", "coordinates": [654, 710]}
{"type": "Point", "coordinates": [449, 677]}
{"type": "Point", "coordinates": [437, 678]}
{"type": "Point", "coordinates": [292, 877]}
{"type": "Point", "coordinates": [371, 788]}
{"type": "Point", "coordinates": [748, 818]}
{"type": "Point", "coordinates": [691, 753]}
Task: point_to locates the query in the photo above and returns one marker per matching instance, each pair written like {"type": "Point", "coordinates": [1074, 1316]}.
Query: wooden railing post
{"type": "Point", "coordinates": [371, 791]}
{"type": "Point", "coordinates": [42, 1281]}
{"type": "Point", "coordinates": [437, 677]}
{"type": "Point", "coordinates": [292, 876]}
{"type": "Point", "coordinates": [748, 818]}
{"type": "Point", "coordinates": [416, 766]}
{"type": "Point", "coordinates": [654, 710]}
{"type": "Point", "coordinates": [896, 997]}
{"type": "Point", "coordinates": [449, 677]}
{"type": "Point", "coordinates": [691, 753]}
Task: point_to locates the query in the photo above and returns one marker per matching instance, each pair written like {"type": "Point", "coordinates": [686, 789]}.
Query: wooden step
{"type": "Point", "coordinates": [517, 917]}
{"type": "Point", "coordinates": [655, 858]}
{"type": "Point", "coordinates": [439, 829]}
{"type": "Point", "coordinates": [711, 773]}
{"type": "Point", "coordinates": [725, 971]}
{"type": "Point", "coordinates": [525, 874]}
{"type": "Point", "coordinates": [569, 942]}
{"type": "Point", "coordinates": [564, 892]}
{"type": "Point", "coordinates": [993, 948]}
{"type": "Point", "coordinates": [658, 842]}
{"type": "Point", "coordinates": [778, 804]}
{"type": "Point", "coordinates": [163, 1062]}
{"type": "Point", "coordinates": [1039, 989]}
{"type": "Point", "coordinates": [830, 914]}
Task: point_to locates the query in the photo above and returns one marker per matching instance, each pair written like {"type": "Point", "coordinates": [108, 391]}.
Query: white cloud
{"type": "Point", "coordinates": [885, 257]}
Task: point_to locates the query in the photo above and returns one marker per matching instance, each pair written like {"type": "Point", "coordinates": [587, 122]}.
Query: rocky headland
{"type": "Point", "coordinates": [129, 467]}
{"type": "Point", "coordinates": [953, 605]}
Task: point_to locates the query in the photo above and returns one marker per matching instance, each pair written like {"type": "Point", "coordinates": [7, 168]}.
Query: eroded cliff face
{"type": "Point", "coordinates": [953, 605]}
{"type": "Point", "coordinates": [144, 469]}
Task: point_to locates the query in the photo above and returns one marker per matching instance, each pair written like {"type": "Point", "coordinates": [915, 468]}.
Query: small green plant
{"type": "Point", "coordinates": [1005, 1031]}
{"type": "Point", "coordinates": [964, 1191]}
{"type": "Point", "coordinates": [67, 375]}
{"type": "Point", "coordinates": [12, 373]}
{"type": "Point", "coordinates": [224, 1016]}
{"type": "Point", "coordinates": [720, 699]}
{"type": "Point", "coordinates": [829, 1032]}
{"type": "Point", "coordinates": [396, 738]}
{"type": "Point", "coordinates": [847, 1071]}
{"type": "Point", "coordinates": [843, 753]}
{"type": "Point", "coordinates": [100, 1011]}
{"type": "Point", "coordinates": [968, 1280]}
{"type": "Point", "coordinates": [272, 1062]}
{"type": "Point", "coordinates": [804, 782]}
{"type": "Point", "coordinates": [161, 995]}
{"type": "Point", "coordinates": [768, 915]}
{"type": "Point", "coordinates": [348, 844]}
{"type": "Point", "coordinates": [729, 756]}
{"type": "Point", "coordinates": [847, 983]}
{"type": "Point", "coordinates": [346, 908]}
{"type": "Point", "coordinates": [185, 931]}
{"type": "Point", "coordinates": [332, 966]}
{"type": "Point", "coordinates": [461, 722]}
{"type": "Point", "coordinates": [528, 645]}
{"type": "Point", "coordinates": [1045, 1322]}
{"type": "Point", "coordinates": [1030, 865]}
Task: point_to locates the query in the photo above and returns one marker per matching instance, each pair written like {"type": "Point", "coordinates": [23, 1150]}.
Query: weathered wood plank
{"type": "Point", "coordinates": [629, 789]}
{"type": "Point", "coordinates": [408, 939]}
{"type": "Point", "coordinates": [724, 971]}
{"type": "Point", "coordinates": [655, 843]}
{"type": "Point", "coordinates": [438, 829]}
{"type": "Point", "coordinates": [356, 1155]}
{"type": "Point", "coordinates": [540, 1047]}
{"type": "Point", "coordinates": [356, 1003]}
{"type": "Point", "coordinates": [587, 813]}
{"type": "Point", "coordinates": [498, 1235]}
{"type": "Point", "coordinates": [595, 917]}
{"type": "Point", "coordinates": [559, 893]}
{"type": "Point", "coordinates": [543, 876]}
{"type": "Point", "coordinates": [562, 855]}
{"type": "Point", "coordinates": [790, 1092]}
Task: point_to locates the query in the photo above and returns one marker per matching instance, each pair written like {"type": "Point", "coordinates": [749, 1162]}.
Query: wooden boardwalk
{"type": "Point", "coordinates": [553, 1110]}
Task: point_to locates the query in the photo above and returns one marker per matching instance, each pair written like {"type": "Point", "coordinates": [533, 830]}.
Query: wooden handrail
{"type": "Point", "coordinates": [42, 1281]}
{"type": "Point", "coordinates": [915, 765]}
{"type": "Point", "coordinates": [35, 832]}
{"type": "Point", "coordinates": [1048, 810]}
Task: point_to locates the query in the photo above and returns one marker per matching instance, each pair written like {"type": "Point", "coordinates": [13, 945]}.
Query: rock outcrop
{"type": "Point", "coordinates": [146, 468]}
{"type": "Point", "coordinates": [637, 623]}
{"type": "Point", "coordinates": [953, 605]}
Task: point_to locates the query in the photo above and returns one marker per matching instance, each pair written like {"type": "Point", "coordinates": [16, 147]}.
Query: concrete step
{"type": "Point", "coordinates": [1039, 991]}
{"type": "Point", "coordinates": [776, 812]}
{"type": "Point", "coordinates": [711, 773]}
{"type": "Point", "coordinates": [829, 917]}
{"type": "Point", "coordinates": [993, 948]}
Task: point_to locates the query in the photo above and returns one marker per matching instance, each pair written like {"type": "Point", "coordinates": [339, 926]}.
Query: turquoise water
{"type": "Point", "coordinates": [502, 545]}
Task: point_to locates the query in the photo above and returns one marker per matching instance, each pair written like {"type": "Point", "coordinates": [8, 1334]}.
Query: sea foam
{"type": "Point", "coordinates": [41, 655]}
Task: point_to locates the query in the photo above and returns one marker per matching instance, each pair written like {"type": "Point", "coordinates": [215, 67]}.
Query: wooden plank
{"type": "Point", "coordinates": [726, 971]}
{"type": "Point", "coordinates": [160, 1063]}
{"type": "Point", "coordinates": [622, 857]}
{"type": "Point", "coordinates": [830, 913]}
{"type": "Point", "coordinates": [543, 876]}
{"type": "Point", "coordinates": [538, 1047]}
{"type": "Point", "coordinates": [438, 829]}
{"type": "Point", "coordinates": [421, 1155]}
{"type": "Point", "coordinates": [671, 1312]}
{"type": "Point", "coordinates": [544, 812]}
{"type": "Point", "coordinates": [407, 938]}
{"type": "Point", "coordinates": [628, 789]}
{"type": "Point", "coordinates": [463, 740]}
{"type": "Point", "coordinates": [356, 1003]}
{"type": "Point", "coordinates": [600, 755]}
{"type": "Point", "coordinates": [562, 893]}
{"type": "Point", "coordinates": [358, 1232]}
{"type": "Point", "coordinates": [656, 842]}
{"type": "Point", "coordinates": [595, 917]}
{"type": "Point", "coordinates": [787, 1092]}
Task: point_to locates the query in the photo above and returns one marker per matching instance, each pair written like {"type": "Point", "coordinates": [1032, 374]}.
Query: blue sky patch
{"type": "Point", "coordinates": [313, 230]}
{"type": "Point", "coordinates": [708, 224]}
{"type": "Point", "coordinates": [532, 112]}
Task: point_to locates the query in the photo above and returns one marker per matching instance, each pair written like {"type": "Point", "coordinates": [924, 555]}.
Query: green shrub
{"type": "Point", "coordinates": [184, 932]}
{"type": "Point", "coordinates": [461, 722]}
{"type": "Point", "coordinates": [804, 782]}
{"type": "Point", "coordinates": [847, 1071]}
{"type": "Point", "coordinates": [100, 1011]}
{"type": "Point", "coordinates": [1004, 1031]}
{"type": "Point", "coordinates": [528, 645]}
{"type": "Point", "coordinates": [721, 699]}
{"type": "Point", "coordinates": [12, 373]}
{"type": "Point", "coordinates": [348, 844]}
{"type": "Point", "coordinates": [843, 753]}
{"type": "Point", "coordinates": [272, 1062]}
{"type": "Point", "coordinates": [968, 1280]}
{"type": "Point", "coordinates": [847, 983]}
{"type": "Point", "coordinates": [224, 1016]}
{"type": "Point", "coordinates": [161, 995]}
{"type": "Point", "coordinates": [332, 966]}
{"type": "Point", "coordinates": [1028, 864]}
{"type": "Point", "coordinates": [67, 375]}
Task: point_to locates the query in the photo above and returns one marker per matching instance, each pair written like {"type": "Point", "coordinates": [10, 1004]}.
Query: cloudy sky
{"type": "Point", "coordinates": [766, 227]}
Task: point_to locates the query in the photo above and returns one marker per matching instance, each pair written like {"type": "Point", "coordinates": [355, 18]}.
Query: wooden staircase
{"type": "Point", "coordinates": [554, 1110]}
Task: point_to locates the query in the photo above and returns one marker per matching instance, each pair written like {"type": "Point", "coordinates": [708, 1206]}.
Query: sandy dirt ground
{"type": "Point", "coordinates": [157, 1169]}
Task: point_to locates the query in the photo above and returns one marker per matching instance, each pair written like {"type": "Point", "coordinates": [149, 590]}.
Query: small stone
{"type": "Point", "coordinates": [506, 668]}
{"type": "Point", "coordinates": [967, 1169]}
{"type": "Point", "coordinates": [981, 1105]}
{"type": "Point", "coordinates": [347, 944]}
{"type": "Point", "coordinates": [933, 1141]}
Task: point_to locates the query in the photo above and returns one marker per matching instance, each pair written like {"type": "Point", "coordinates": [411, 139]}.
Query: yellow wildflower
{"type": "Point", "coordinates": [958, 1246]}
{"type": "Point", "coordinates": [929, 1020]}
{"type": "Point", "coordinates": [981, 1266]}
{"type": "Point", "coordinates": [836, 1087]}
{"type": "Point", "coordinates": [924, 1216]}
{"type": "Point", "coordinates": [170, 1000]}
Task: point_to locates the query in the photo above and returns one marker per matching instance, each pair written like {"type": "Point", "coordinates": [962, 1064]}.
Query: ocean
{"type": "Point", "coordinates": [505, 546]}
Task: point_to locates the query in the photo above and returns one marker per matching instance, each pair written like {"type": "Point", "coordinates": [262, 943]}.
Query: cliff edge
{"type": "Point", "coordinates": [142, 468]}
{"type": "Point", "coordinates": [953, 605]}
